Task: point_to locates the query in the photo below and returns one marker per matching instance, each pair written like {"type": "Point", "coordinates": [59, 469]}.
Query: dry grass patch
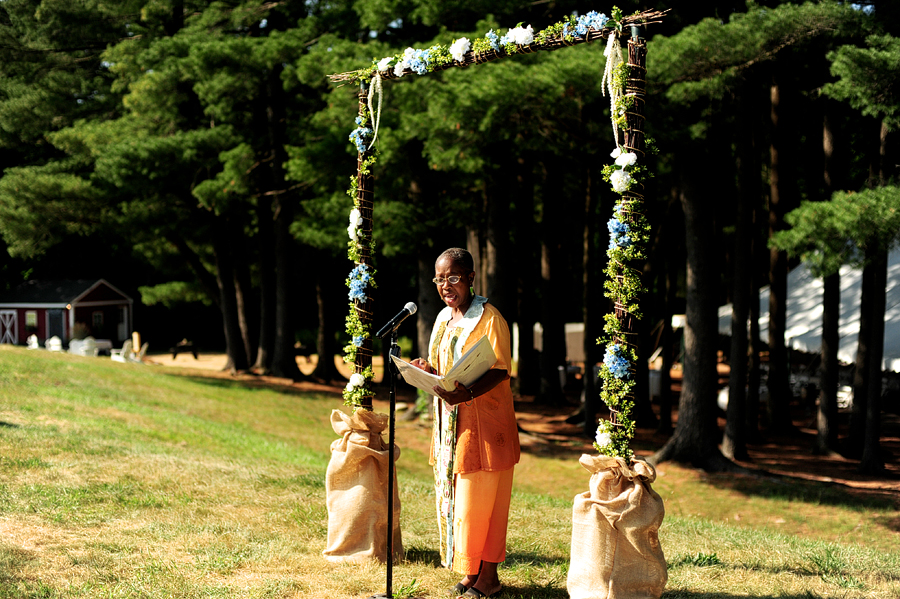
{"type": "Point", "coordinates": [138, 483]}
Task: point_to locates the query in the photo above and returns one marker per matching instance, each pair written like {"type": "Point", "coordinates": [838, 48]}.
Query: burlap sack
{"type": "Point", "coordinates": [615, 541]}
{"type": "Point", "coordinates": [356, 490]}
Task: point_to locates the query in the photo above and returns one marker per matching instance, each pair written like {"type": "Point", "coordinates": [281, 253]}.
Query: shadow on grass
{"type": "Point", "coordinates": [424, 556]}
{"type": "Point", "coordinates": [8, 425]}
{"type": "Point", "coordinates": [676, 594]}
{"type": "Point", "coordinates": [771, 486]}
{"type": "Point", "coordinates": [308, 389]}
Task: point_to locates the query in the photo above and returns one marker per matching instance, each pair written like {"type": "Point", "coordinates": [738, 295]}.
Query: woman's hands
{"type": "Point", "coordinates": [455, 396]}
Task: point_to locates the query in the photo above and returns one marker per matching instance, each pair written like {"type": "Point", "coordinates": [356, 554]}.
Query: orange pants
{"type": "Point", "coordinates": [481, 517]}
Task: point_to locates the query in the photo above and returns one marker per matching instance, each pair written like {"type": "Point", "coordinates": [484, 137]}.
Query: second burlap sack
{"type": "Point", "coordinates": [356, 490]}
{"type": "Point", "coordinates": [615, 550]}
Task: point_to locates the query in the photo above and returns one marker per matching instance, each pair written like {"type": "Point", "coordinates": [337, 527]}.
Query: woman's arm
{"type": "Point", "coordinates": [488, 381]}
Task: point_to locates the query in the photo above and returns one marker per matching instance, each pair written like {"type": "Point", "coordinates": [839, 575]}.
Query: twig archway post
{"type": "Point", "coordinates": [628, 229]}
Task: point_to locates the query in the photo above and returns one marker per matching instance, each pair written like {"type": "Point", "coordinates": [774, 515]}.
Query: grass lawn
{"type": "Point", "coordinates": [128, 480]}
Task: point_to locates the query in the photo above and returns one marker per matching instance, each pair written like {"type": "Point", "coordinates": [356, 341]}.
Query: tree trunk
{"type": "Point", "coordinates": [872, 461]}
{"type": "Point", "coordinates": [856, 438]}
{"type": "Point", "coordinates": [527, 274]}
{"type": "Point", "coordinates": [592, 293]}
{"type": "Point", "coordinates": [326, 346]}
{"type": "Point", "coordinates": [429, 302]}
{"type": "Point", "coordinates": [877, 258]}
{"type": "Point", "coordinates": [553, 337]}
{"type": "Point", "coordinates": [243, 297]}
{"type": "Point", "coordinates": [284, 361]}
{"type": "Point", "coordinates": [670, 291]}
{"type": "Point", "coordinates": [780, 196]}
{"type": "Point", "coordinates": [495, 260]}
{"type": "Point", "coordinates": [734, 442]}
{"type": "Point", "coordinates": [754, 374]}
{"type": "Point", "coordinates": [234, 346]}
{"type": "Point", "coordinates": [266, 345]}
{"type": "Point", "coordinates": [696, 435]}
{"type": "Point", "coordinates": [827, 410]}
{"type": "Point", "coordinates": [643, 414]}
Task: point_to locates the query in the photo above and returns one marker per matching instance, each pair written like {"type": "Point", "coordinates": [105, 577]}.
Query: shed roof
{"type": "Point", "coordinates": [55, 292]}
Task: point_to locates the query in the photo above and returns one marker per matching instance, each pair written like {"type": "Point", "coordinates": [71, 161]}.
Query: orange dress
{"type": "Point", "coordinates": [480, 435]}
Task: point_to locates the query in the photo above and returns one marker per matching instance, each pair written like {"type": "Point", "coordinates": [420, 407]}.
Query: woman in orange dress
{"type": "Point", "coordinates": [475, 440]}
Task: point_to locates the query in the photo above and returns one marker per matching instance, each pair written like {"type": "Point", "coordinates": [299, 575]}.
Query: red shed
{"type": "Point", "coordinates": [65, 309]}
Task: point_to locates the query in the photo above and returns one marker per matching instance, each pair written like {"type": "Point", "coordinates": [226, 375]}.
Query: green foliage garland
{"type": "Point", "coordinates": [629, 235]}
{"type": "Point", "coordinates": [516, 40]}
{"type": "Point", "coordinates": [362, 277]}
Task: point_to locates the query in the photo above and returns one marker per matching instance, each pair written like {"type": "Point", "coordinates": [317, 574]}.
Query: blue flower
{"type": "Point", "coordinates": [359, 280]}
{"type": "Point", "coordinates": [361, 136]}
{"type": "Point", "coordinates": [358, 340]}
{"type": "Point", "coordinates": [417, 60]}
{"type": "Point", "coordinates": [618, 233]}
{"type": "Point", "coordinates": [594, 20]}
{"type": "Point", "coordinates": [506, 39]}
{"type": "Point", "coordinates": [577, 33]}
{"type": "Point", "coordinates": [494, 39]}
{"type": "Point", "coordinates": [616, 362]}
{"type": "Point", "coordinates": [581, 28]}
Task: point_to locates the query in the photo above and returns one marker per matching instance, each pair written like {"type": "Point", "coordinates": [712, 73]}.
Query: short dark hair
{"type": "Point", "coordinates": [458, 256]}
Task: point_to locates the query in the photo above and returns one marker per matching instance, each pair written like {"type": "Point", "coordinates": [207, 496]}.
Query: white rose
{"type": "Point", "coordinates": [351, 231]}
{"type": "Point", "coordinates": [626, 159]}
{"type": "Point", "coordinates": [620, 180]}
{"type": "Point", "coordinates": [603, 438]}
{"type": "Point", "coordinates": [356, 380]}
{"type": "Point", "coordinates": [615, 153]}
{"type": "Point", "coordinates": [459, 48]}
{"type": "Point", "coordinates": [385, 63]}
{"type": "Point", "coordinates": [356, 217]}
{"type": "Point", "coordinates": [398, 68]}
{"type": "Point", "coordinates": [522, 35]}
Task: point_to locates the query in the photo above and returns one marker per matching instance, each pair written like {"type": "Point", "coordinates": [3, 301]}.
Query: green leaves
{"type": "Point", "coordinates": [827, 235]}
{"type": "Point", "coordinates": [869, 78]}
{"type": "Point", "coordinates": [709, 58]}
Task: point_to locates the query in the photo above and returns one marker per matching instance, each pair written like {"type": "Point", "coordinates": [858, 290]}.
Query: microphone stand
{"type": "Point", "coordinates": [392, 370]}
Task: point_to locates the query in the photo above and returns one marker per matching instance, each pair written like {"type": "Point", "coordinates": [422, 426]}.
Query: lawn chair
{"type": "Point", "coordinates": [122, 355]}
{"type": "Point", "coordinates": [139, 357]}
{"type": "Point", "coordinates": [54, 343]}
{"type": "Point", "coordinates": [89, 348]}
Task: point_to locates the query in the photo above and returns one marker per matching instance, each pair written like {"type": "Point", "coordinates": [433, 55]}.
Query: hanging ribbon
{"type": "Point", "coordinates": [378, 90]}
{"type": "Point", "coordinates": [613, 55]}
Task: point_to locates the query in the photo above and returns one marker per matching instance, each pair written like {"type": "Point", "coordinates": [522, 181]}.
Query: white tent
{"type": "Point", "coordinates": [804, 313]}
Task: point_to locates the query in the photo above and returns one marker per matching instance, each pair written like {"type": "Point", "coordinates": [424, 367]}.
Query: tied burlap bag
{"type": "Point", "coordinates": [615, 541]}
{"type": "Point", "coordinates": [356, 490]}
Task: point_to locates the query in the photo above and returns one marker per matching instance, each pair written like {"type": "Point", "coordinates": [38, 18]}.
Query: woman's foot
{"type": "Point", "coordinates": [477, 594]}
{"type": "Point", "coordinates": [488, 583]}
{"type": "Point", "coordinates": [463, 585]}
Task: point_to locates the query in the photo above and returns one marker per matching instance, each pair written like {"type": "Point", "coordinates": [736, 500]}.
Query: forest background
{"type": "Point", "coordinates": [196, 155]}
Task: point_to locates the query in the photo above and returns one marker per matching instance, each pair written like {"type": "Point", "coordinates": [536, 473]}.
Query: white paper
{"type": "Point", "coordinates": [468, 369]}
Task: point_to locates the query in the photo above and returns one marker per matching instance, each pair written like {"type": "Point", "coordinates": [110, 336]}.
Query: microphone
{"type": "Point", "coordinates": [408, 310]}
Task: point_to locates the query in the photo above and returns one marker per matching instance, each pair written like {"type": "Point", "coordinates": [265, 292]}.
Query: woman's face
{"type": "Point", "coordinates": [454, 295]}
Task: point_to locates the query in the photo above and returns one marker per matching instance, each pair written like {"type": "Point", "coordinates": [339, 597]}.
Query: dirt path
{"type": "Point", "coordinates": [545, 430]}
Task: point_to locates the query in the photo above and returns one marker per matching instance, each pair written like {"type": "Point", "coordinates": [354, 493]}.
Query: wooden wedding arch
{"type": "Point", "coordinates": [627, 93]}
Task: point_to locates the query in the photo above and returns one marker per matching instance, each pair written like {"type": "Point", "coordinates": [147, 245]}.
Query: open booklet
{"type": "Point", "coordinates": [467, 369]}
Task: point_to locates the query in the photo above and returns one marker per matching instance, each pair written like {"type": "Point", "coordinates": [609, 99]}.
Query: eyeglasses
{"type": "Point", "coordinates": [452, 279]}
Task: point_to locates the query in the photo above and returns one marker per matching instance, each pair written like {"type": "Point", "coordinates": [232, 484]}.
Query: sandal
{"type": "Point", "coordinates": [458, 590]}
{"type": "Point", "coordinates": [476, 594]}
